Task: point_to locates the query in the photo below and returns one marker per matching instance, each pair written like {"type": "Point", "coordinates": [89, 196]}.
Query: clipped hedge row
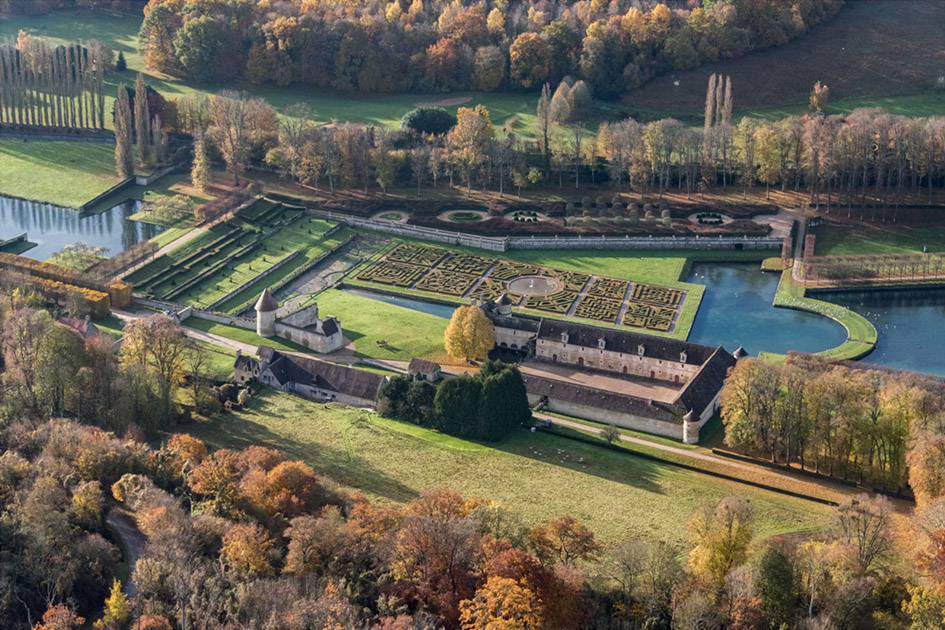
{"type": "Point", "coordinates": [118, 292]}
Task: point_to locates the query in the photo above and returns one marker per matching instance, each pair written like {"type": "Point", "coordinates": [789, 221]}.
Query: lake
{"type": "Point", "coordinates": [53, 227]}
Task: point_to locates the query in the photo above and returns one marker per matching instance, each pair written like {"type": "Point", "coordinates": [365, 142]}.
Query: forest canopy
{"type": "Point", "coordinates": [439, 46]}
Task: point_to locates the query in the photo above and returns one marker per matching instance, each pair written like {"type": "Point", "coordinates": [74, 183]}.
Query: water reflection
{"type": "Point", "coordinates": [53, 227]}
{"type": "Point", "coordinates": [737, 310]}
{"type": "Point", "coordinates": [911, 326]}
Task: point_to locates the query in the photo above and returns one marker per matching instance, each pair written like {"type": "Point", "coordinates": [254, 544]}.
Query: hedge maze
{"type": "Point", "coordinates": [598, 308]}
{"type": "Point", "coordinates": [394, 273]}
{"type": "Point", "coordinates": [657, 296]}
{"type": "Point", "coordinates": [446, 281]}
{"type": "Point", "coordinates": [558, 302]}
{"type": "Point", "coordinates": [581, 295]}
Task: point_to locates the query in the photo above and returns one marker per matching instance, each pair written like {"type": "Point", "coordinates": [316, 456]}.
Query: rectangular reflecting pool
{"type": "Point", "coordinates": [53, 227]}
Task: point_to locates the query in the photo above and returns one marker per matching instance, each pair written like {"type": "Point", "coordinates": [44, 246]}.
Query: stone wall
{"type": "Point", "coordinates": [310, 338]}
{"type": "Point", "coordinates": [647, 367]}
{"type": "Point", "coordinates": [624, 420]}
{"type": "Point", "coordinates": [414, 231]}
{"type": "Point", "coordinates": [302, 317]}
{"type": "Point", "coordinates": [641, 242]}
{"type": "Point", "coordinates": [501, 244]}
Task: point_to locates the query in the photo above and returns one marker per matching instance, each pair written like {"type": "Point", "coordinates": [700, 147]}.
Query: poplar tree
{"type": "Point", "coordinates": [200, 171]}
{"type": "Point", "coordinates": [142, 120]}
{"type": "Point", "coordinates": [124, 160]}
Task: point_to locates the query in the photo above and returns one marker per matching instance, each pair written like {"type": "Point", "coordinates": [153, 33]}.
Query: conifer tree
{"type": "Point", "coordinates": [124, 160]}
{"type": "Point", "coordinates": [200, 171]}
{"type": "Point", "coordinates": [142, 120]}
{"type": "Point", "coordinates": [117, 610]}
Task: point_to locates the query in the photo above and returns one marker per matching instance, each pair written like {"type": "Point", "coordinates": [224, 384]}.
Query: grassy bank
{"type": "Point", "coordinates": [537, 476]}
{"type": "Point", "coordinates": [861, 334]}
{"type": "Point", "coordinates": [61, 173]}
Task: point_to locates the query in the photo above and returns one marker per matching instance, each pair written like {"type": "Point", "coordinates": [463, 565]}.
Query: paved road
{"type": "Point", "coordinates": [131, 539]}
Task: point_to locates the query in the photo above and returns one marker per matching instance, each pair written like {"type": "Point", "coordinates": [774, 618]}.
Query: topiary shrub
{"type": "Point", "coordinates": [432, 120]}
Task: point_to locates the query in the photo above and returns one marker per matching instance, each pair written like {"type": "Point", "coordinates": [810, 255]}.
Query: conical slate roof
{"type": "Point", "coordinates": [504, 299]}
{"type": "Point", "coordinates": [739, 353]}
{"type": "Point", "coordinates": [266, 303]}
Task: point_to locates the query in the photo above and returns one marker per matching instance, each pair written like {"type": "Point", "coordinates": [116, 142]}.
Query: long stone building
{"type": "Point", "coordinates": [654, 384]}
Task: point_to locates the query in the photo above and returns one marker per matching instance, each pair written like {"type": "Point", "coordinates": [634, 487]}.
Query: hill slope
{"type": "Point", "coordinates": [872, 48]}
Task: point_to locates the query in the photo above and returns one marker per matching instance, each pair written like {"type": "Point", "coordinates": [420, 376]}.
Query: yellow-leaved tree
{"type": "Point", "coordinates": [501, 604]}
{"type": "Point", "coordinates": [469, 334]}
{"type": "Point", "coordinates": [117, 610]}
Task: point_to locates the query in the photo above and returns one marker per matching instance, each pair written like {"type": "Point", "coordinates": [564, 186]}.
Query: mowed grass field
{"type": "Point", "coordinates": [364, 321]}
{"type": "Point", "coordinates": [873, 53]}
{"type": "Point", "coordinates": [537, 476]}
{"type": "Point", "coordinates": [120, 31]}
{"type": "Point", "coordinates": [833, 240]}
{"type": "Point", "coordinates": [62, 173]}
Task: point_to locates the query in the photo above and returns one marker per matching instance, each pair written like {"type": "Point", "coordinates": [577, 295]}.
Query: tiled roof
{"type": "Point", "coordinates": [327, 376]}
{"type": "Point", "coordinates": [330, 326]}
{"type": "Point", "coordinates": [266, 303]}
{"type": "Point", "coordinates": [423, 366]}
{"type": "Point", "coordinates": [597, 398]}
{"type": "Point", "coordinates": [624, 341]}
{"type": "Point", "coordinates": [702, 388]}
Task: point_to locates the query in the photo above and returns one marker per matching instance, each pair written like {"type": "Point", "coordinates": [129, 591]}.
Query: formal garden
{"type": "Point", "coordinates": [410, 267]}
{"type": "Point", "coordinates": [264, 245]}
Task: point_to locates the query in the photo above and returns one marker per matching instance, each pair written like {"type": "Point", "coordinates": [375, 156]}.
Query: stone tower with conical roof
{"type": "Point", "coordinates": [266, 307]}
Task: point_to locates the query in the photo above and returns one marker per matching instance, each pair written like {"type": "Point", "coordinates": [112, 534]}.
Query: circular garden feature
{"type": "Point", "coordinates": [463, 216]}
{"type": "Point", "coordinates": [533, 285]}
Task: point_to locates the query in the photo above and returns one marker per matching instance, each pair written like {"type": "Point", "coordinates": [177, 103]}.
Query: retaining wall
{"type": "Point", "coordinates": [259, 276]}
{"type": "Point", "coordinates": [147, 180]}
{"type": "Point", "coordinates": [97, 198]}
{"type": "Point", "coordinates": [501, 244]}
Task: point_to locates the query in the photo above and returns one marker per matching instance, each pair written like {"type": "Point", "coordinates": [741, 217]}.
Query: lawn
{"type": "Point", "coordinates": [538, 476]}
{"type": "Point", "coordinates": [877, 239]}
{"type": "Point", "coordinates": [62, 173]}
{"type": "Point", "coordinates": [365, 321]}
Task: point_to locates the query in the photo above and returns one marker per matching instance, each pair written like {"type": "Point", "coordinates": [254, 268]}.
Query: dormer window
{"type": "Point", "coordinates": [641, 349]}
{"type": "Point", "coordinates": [564, 337]}
{"type": "Point", "coordinates": [682, 356]}
{"type": "Point", "coordinates": [601, 343]}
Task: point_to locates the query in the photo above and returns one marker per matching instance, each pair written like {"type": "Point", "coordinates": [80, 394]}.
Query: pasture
{"type": "Point", "coordinates": [871, 54]}
{"type": "Point", "coordinates": [537, 476]}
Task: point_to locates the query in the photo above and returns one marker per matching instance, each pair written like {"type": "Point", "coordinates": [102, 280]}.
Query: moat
{"type": "Point", "coordinates": [737, 310]}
